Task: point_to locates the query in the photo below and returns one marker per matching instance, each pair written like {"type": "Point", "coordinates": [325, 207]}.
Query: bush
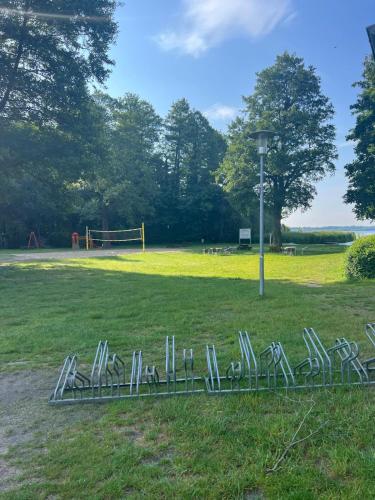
{"type": "Point", "coordinates": [360, 259]}
{"type": "Point", "coordinates": [318, 237]}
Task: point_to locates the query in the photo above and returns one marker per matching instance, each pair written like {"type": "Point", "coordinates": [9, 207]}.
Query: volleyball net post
{"type": "Point", "coordinates": [96, 237]}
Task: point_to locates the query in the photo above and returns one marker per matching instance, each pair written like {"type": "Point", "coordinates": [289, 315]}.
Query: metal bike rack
{"type": "Point", "coordinates": [269, 371]}
{"type": "Point", "coordinates": [112, 378]}
{"type": "Point", "coordinates": [322, 367]}
{"type": "Point", "coordinates": [337, 365]}
{"type": "Point", "coordinates": [370, 362]}
{"type": "Point", "coordinates": [316, 368]}
{"type": "Point", "coordinates": [109, 379]}
{"type": "Point", "coordinates": [349, 363]}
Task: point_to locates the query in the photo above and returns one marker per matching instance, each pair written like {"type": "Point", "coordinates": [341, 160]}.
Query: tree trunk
{"type": "Point", "coordinates": [276, 231]}
{"type": "Point", "coordinates": [19, 53]}
{"type": "Point", "coordinates": [105, 225]}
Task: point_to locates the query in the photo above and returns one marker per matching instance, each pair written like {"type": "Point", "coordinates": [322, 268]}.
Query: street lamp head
{"type": "Point", "coordinates": [371, 36]}
{"type": "Point", "coordinates": [261, 137]}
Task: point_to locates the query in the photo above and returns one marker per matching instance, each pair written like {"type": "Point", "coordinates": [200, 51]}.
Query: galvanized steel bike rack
{"type": "Point", "coordinates": [109, 378]}
{"type": "Point", "coordinates": [337, 365]}
{"type": "Point", "coordinates": [270, 371]}
{"type": "Point", "coordinates": [370, 333]}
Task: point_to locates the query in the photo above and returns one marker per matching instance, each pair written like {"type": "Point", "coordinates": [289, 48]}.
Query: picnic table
{"type": "Point", "coordinates": [290, 250]}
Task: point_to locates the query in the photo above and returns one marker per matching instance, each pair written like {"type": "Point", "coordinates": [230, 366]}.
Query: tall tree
{"type": "Point", "coordinates": [287, 99]}
{"type": "Point", "coordinates": [361, 171]}
{"type": "Point", "coordinates": [38, 164]}
{"type": "Point", "coordinates": [176, 147]}
{"type": "Point", "coordinates": [49, 51]}
{"type": "Point", "coordinates": [192, 151]}
{"type": "Point", "coordinates": [119, 184]}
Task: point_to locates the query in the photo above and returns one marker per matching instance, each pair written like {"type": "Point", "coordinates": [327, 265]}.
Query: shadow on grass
{"type": "Point", "coordinates": [109, 258]}
{"type": "Point", "coordinates": [47, 314]}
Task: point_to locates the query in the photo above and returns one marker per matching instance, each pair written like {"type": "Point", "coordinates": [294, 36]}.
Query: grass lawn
{"type": "Point", "coordinates": [200, 446]}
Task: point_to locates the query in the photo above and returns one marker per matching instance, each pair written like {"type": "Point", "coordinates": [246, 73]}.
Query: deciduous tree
{"type": "Point", "coordinates": [287, 99]}
{"type": "Point", "coordinates": [49, 51]}
{"type": "Point", "coordinates": [361, 171]}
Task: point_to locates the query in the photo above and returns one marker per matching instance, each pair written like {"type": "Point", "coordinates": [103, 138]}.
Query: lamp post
{"type": "Point", "coordinates": [261, 137]}
{"type": "Point", "coordinates": [371, 36]}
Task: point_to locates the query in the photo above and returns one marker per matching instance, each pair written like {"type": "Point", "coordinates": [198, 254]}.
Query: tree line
{"type": "Point", "coordinates": [72, 156]}
{"type": "Point", "coordinates": [119, 164]}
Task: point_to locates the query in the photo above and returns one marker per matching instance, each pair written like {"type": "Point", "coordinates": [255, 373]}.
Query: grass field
{"type": "Point", "coordinates": [189, 446]}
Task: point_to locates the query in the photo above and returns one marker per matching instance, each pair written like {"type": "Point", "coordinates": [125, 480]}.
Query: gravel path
{"type": "Point", "coordinates": [76, 254]}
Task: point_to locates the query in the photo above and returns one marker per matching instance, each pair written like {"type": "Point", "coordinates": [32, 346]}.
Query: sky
{"type": "Point", "coordinates": [209, 52]}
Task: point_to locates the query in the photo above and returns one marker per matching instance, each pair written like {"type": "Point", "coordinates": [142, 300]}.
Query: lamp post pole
{"type": "Point", "coordinates": [261, 227]}
{"type": "Point", "coordinates": [261, 137]}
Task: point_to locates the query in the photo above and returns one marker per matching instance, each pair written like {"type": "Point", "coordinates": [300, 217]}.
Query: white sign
{"type": "Point", "coordinates": [245, 234]}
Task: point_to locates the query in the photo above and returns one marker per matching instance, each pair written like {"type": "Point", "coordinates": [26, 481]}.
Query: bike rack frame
{"type": "Point", "coordinates": [112, 378]}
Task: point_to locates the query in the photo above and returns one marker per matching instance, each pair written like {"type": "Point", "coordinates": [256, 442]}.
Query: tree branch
{"type": "Point", "coordinates": [13, 73]}
{"type": "Point", "coordinates": [293, 442]}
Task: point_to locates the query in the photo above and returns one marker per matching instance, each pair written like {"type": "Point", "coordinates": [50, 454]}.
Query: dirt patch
{"type": "Point", "coordinates": [254, 494]}
{"type": "Point", "coordinates": [8, 473]}
{"type": "Point", "coordinates": [156, 459]}
{"type": "Point", "coordinates": [26, 417]}
{"type": "Point", "coordinates": [78, 254]}
{"type": "Point", "coordinates": [134, 436]}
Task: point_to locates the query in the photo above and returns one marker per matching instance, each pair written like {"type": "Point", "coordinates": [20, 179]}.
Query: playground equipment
{"type": "Point", "coordinates": [33, 241]}
{"type": "Point", "coordinates": [113, 378]}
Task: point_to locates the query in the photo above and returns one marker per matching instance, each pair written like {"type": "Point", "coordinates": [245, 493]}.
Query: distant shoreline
{"type": "Point", "coordinates": [351, 229]}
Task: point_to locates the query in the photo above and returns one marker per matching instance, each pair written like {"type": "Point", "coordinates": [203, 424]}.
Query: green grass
{"type": "Point", "coordinates": [199, 446]}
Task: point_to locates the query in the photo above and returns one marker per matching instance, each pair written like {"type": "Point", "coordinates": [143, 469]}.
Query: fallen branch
{"type": "Point", "coordinates": [293, 442]}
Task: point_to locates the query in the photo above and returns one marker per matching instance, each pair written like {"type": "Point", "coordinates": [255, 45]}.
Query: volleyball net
{"type": "Point", "coordinates": [100, 238]}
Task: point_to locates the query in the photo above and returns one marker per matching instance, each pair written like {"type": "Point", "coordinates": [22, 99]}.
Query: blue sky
{"type": "Point", "coordinates": [209, 51]}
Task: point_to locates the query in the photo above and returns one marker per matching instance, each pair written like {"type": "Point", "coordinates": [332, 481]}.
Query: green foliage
{"type": "Point", "coordinates": [116, 165]}
{"type": "Point", "coordinates": [361, 171]}
{"type": "Point", "coordinates": [49, 52]}
{"type": "Point", "coordinates": [318, 237]}
{"type": "Point", "coordinates": [288, 100]}
{"type": "Point", "coordinates": [37, 164]}
{"type": "Point", "coordinates": [360, 259]}
{"type": "Point", "coordinates": [119, 183]}
{"type": "Point", "coordinates": [191, 205]}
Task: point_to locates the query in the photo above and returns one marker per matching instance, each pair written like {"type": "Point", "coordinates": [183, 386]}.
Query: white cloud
{"type": "Point", "coordinates": [206, 23]}
{"type": "Point", "coordinates": [220, 112]}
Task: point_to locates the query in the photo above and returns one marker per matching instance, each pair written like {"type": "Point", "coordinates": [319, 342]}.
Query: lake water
{"type": "Point", "coordinates": [364, 233]}
{"type": "Point", "coordinates": [359, 234]}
